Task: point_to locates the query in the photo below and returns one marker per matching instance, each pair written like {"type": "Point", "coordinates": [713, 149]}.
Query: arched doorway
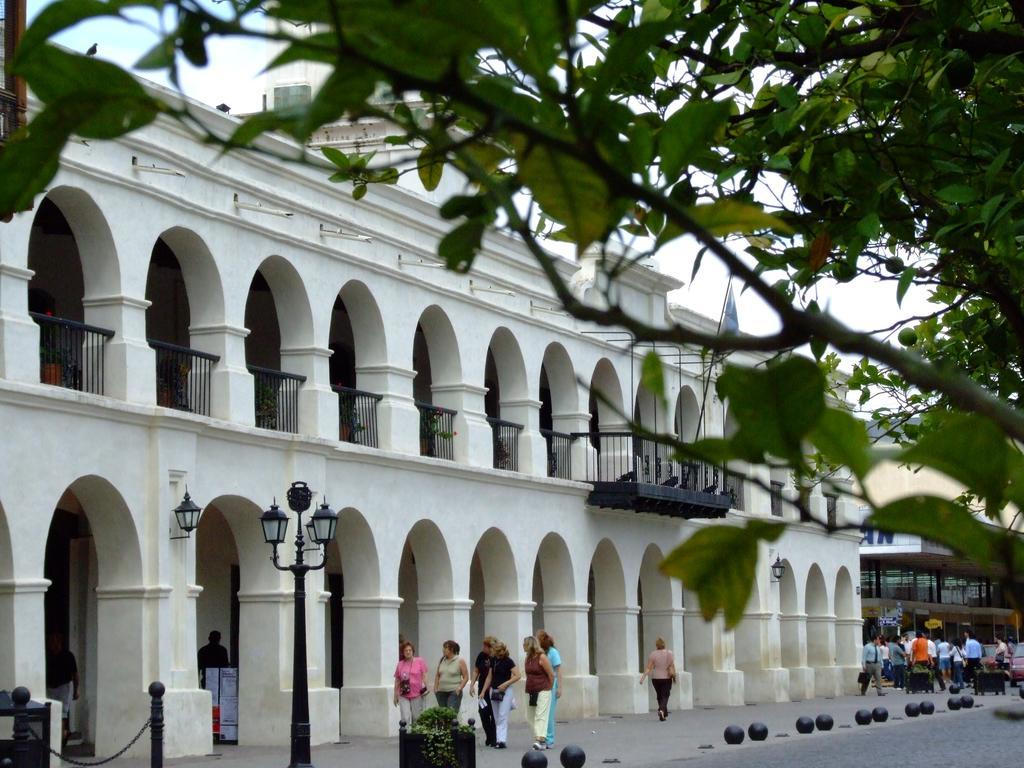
{"type": "Point", "coordinates": [559, 411]}
{"type": "Point", "coordinates": [437, 385]}
{"type": "Point", "coordinates": [505, 402]}
{"type": "Point", "coordinates": [429, 613]}
{"type": "Point", "coordinates": [614, 634]}
{"type": "Point", "coordinates": [613, 445]}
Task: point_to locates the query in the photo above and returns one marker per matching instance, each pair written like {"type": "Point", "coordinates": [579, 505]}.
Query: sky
{"type": "Point", "coordinates": [234, 78]}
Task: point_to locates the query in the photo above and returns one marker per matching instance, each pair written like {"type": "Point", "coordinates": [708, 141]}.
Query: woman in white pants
{"type": "Point", "coordinates": [503, 675]}
{"type": "Point", "coordinates": [540, 678]}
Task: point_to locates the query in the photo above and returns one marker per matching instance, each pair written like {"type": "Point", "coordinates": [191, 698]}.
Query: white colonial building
{"type": "Point", "coordinates": [170, 317]}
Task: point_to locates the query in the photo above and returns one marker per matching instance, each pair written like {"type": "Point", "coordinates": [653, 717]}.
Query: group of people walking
{"type": "Point", "coordinates": [495, 671]}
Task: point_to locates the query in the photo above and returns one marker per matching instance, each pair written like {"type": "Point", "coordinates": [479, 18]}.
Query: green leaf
{"type": "Point", "coordinates": [430, 169]}
{"type": "Point", "coordinates": [843, 439]}
{"type": "Point", "coordinates": [724, 217]}
{"type": "Point", "coordinates": [775, 407]}
{"type": "Point", "coordinates": [718, 564]}
{"type": "Point", "coordinates": [459, 247]}
{"type": "Point", "coordinates": [337, 157]}
{"type": "Point", "coordinates": [570, 192]}
{"type": "Point", "coordinates": [957, 193]}
{"type": "Point", "coordinates": [688, 132]}
{"type": "Point", "coordinates": [652, 375]}
{"type": "Point", "coordinates": [905, 281]}
{"type": "Point", "coordinates": [969, 449]}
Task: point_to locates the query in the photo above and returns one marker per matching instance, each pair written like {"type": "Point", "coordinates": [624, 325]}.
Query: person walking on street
{"type": "Point", "coordinates": [452, 676]}
{"type": "Point", "coordinates": [972, 652]}
{"type": "Point", "coordinates": [661, 669]}
{"type": "Point", "coordinates": [943, 648]}
{"type": "Point", "coordinates": [871, 664]}
{"type": "Point", "coordinates": [547, 644]}
{"type": "Point", "coordinates": [502, 676]}
{"type": "Point", "coordinates": [213, 655]}
{"type": "Point", "coordinates": [933, 661]}
{"type": "Point", "coordinates": [61, 680]}
{"type": "Point", "coordinates": [410, 684]}
{"type": "Point", "coordinates": [956, 657]}
{"type": "Point", "coordinates": [886, 661]}
{"type": "Point", "coordinates": [481, 669]}
{"type": "Point", "coordinates": [898, 657]}
{"type": "Point", "coordinates": [540, 679]}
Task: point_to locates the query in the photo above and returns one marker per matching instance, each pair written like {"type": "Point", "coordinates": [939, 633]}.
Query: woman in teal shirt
{"type": "Point", "coordinates": [547, 643]}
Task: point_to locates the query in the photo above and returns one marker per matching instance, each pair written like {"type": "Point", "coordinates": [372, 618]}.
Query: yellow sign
{"type": "Point", "coordinates": [933, 624]}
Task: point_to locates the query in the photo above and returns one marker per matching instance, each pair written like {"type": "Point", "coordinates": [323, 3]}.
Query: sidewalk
{"type": "Point", "coordinates": [631, 741]}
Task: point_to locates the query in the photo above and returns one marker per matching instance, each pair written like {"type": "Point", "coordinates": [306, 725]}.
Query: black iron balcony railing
{"type": "Point", "coordinates": [733, 485]}
{"type": "Point", "coordinates": [437, 431]}
{"type": "Point", "coordinates": [559, 445]}
{"type": "Point", "coordinates": [505, 444]}
{"type": "Point", "coordinates": [71, 353]}
{"type": "Point", "coordinates": [276, 399]}
{"type": "Point", "coordinates": [8, 112]}
{"type": "Point", "coordinates": [183, 377]}
{"type": "Point", "coordinates": [357, 416]}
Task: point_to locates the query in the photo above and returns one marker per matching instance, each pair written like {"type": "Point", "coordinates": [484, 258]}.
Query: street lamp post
{"type": "Point", "coordinates": [322, 526]}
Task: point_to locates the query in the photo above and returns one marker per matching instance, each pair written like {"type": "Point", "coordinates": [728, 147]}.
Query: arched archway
{"type": "Point", "coordinates": [436, 360]}
{"type": "Point", "coordinates": [357, 341]}
{"type": "Point", "coordinates": [9, 639]}
{"type": "Point", "coordinates": [658, 617]}
{"type": "Point", "coordinates": [559, 409]}
{"type": "Point", "coordinates": [616, 457]}
{"type": "Point", "coordinates": [506, 401]}
{"type": "Point", "coordinates": [793, 627]}
{"type": "Point", "coordinates": [687, 416]}
{"type": "Point", "coordinates": [613, 635]}
{"type": "Point", "coordinates": [820, 621]}
{"type": "Point", "coordinates": [848, 623]}
{"type": "Point", "coordinates": [494, 592]}
{"type": "Point", "coordinates": [96, 603]}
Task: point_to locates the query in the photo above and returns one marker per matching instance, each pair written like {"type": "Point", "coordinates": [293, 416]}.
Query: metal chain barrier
{"type": "Point", "coordinates": [89, 764]}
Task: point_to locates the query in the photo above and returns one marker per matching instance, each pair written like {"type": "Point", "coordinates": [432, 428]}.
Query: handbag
{"type": "Point", "coordinates": [863, 678]}
{"type": "Point", "coordinates": [533, 698]}
{"type": "Point", "coordinates": [497, 695]}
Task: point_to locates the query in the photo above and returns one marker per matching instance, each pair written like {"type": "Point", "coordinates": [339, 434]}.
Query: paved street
{"type": "Point", "coordinates": [643, 742]}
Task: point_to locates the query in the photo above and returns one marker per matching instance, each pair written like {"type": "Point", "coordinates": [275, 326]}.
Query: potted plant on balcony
{"type": "Point", "coordinates": [431, 432]}
{"type": "Point", "coordinates": [266, 406]}
{"type": "Point", "coordinates": [437, 740]}
{"type": "Point", "coordinates": [51, 360]}
{"type": "Point", "coordinates": [351, 426]}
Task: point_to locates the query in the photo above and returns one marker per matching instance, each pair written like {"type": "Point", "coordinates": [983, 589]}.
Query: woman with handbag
{"type": "Point", "coordinates": [661, 668]}
{"type": "Point", "coordinates": [540, 678]}
{"type": "Point", "coordinates": [410, 685]}
{"type": "Point", "coordinates": [503, 675]}
{"type": "Point", "coordinates": [481, 669]}
{"type": "Point", "coordinates": [452, 676]}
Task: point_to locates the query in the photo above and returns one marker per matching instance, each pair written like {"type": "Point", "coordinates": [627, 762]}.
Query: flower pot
{"type": "Point", "coordinates": [165, 397]}
{"type": "Point", "coordinates": [52, 373]}
{"type": "Point", "coordinates": [411, 753]}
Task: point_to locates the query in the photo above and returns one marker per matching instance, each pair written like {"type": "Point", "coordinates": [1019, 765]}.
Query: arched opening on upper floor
{"type": "Point", "coordinates": [505, 401]}
{"type": "Point", "coordinates": [352, 574]}
{"type": "Point", "coordinates": [687, 416]}
{"type": "Point", "coordinates": [356, 341]}
{"type": "Point", "coordinates": [72, 255]}
{"type": "Point", "coordinates": [559, 409]}
{"type": "Point", "coordinates": [608, 428]}
{"type": "Point", "coordinates": [653, 460]}
{"type": "Point", "coordinates": [94, 609]}
{"type": "Point", "coordinates": [273, 336]}
{"type": "Point", "coordinates": [493, 589]}
{"type": "Point", "coordinates": [436, 360]}
{"type": "Point", "coordinates": [426, 618]}
{"type": "Point", "coordinates": [183, 288]}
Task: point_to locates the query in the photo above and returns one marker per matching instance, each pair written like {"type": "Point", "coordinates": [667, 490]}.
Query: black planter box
{"type": "Point", "coordinates": [919, 682]}
{"type": "Point", "coordinates": [410, 751]}
{"type": "Point", "coordinates": [38, 716]}
{"type": "Point", "coordinates": [989, 682]}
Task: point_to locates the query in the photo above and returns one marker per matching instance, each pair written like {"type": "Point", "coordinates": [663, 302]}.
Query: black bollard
{"type": "Point", "coordinates": [156, 725]}
{"type": "Point", "coordinates": [572, 757]}
{"type": "Point", "coordinates": [824, 722]}
{"type": "Point", "coordinates": [927, 708]}
{"type": "Point", "coordinates": [967, 701]}
{"type": "Point", "coordinates": [534, 759]}
{"type": "Point", "coordinates": [880, 714]}
{"type": "Point", "coordinates": [912, 709]}
{"type": "Point", "coordinates": [863, 717]}
{"type": "Point", "coordinates": [733, 734]}
{"type": "Point", "coordinates": [804, 724]}
{"type": "Point", "coordinates": [21, 697]}
{"type": "Point", "coordinates": [757, 731]}
{"type": "Point", "coordinates": [953, 703]}
{"type": "Point", "coordinates": [954, 689]}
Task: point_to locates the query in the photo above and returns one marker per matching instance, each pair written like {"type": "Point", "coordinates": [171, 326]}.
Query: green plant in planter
{"type": "Point", "coordinates": [349, 415]}
{"type": "Point", "coordinates": [435, 725]}
{"type": "Point", "coordinates": [922, 668]}
{"type": "Point", "coordinates": [266, 402]}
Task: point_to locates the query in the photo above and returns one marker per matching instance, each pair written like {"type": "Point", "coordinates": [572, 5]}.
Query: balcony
{"type": "Point", "coordinates": [183, 377]}
{"type": "Point", "coordinates": [8, 112]}
{"type": "Point", "coordinates": [559, 452]}
{"type": "Point", "coordinates": [357, 416]}
{"type": "Point", "coordinates": [505, 444]}
{"type": "Point", "coordinates": [437, 431]}
{"type": "Point", "coordinates": [633, 472]}
{"type": "Point", "coordinates": [71, 353]}
{"type": "Point", "coordinates": [276, 399]}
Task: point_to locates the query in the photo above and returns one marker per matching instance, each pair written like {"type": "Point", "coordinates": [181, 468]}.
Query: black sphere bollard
{"type": "Point", "coordinates": [967, 701]}
{"type": "Point", "coordinates": [912, 709]}
{"type": "Point", "coordinates": [953, 703]}
{"type": "Point", "coordinates": [954, 689]}
{"type": "Point", "coordinates": [824, 722]}
{"type": "Point", "coordinates": [573, 757]}
{"type": "Point", "coordinates": [733, 734]}
{"type": "Point", "coordinates": [927, 708]}
{"type": "Point", "coordinates": [534, 759]}
{"type": "Point", "coordinates": [862, 717]}
{"type": "Point", "coordinates": [880, 714]}
{"type": "Point", "coordinates": [757, 731]}
{"type": "Point", "coordinates": [804, 724]}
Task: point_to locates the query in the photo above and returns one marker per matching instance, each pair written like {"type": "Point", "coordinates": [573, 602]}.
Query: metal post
{"type": "Point", "coordinates": [156, 725]}
{"type": "Point", "coordinates": [21, 697]}
{"type": "Point", "coordinates": [300, 691]}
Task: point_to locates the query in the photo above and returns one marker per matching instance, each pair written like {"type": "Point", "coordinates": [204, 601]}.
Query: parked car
{"type": "Point", "coordinates": [989, 663]}
{"type": "Point", "coordinates": [1017, 665]}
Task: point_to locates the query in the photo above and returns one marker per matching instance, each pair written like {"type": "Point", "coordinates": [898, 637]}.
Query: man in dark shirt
{"type": "Point", "coordinates": [213, 654]}
{"type": "Point", "coordinates": [61, 679]}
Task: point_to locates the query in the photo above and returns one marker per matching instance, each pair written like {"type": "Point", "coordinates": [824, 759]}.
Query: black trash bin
{"type": "Point", "coordinates": [38, 715]}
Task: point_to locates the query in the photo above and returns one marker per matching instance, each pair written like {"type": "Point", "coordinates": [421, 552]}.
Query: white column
{"type": "Point", "coordinates": [264, 667]}
{"type": "Point", "coordinates": [318, 403]}
{"type": "Point", "coordinates": [122, 704]}
{"type": "Point", "coordinates": [616, 653]}
{"type": "Point", "coordinates": [848, 635]}
{"type": "Point", "coordinates": [583, 453]}
{"type": "Point", "coordinates": [398, 420]}
{"type": "Point", "coordinates": [793, 628]}
{"type": "Point", "coordinates": [710, 657]}
{"type": "Point", "coordinates": [441, 620]}
{"type": "Point", "coordinates": [19, 334]}
{"type": "Point", "coordinates": [532, 447]}
{"type": "Point", "coordinates": [23, 661]}
{"type": "Point", "coordinates": [567, 623]}
{"type": "Point", "coordinates": [231, 384]}
{"type": "Point", "coordinates": [667, 623]}
{"type": "Point", "coordinates": [473, 433]}
{"type": "Point", "coordinates": [370, 637]}
{"type": "Point", "coordinates": [129, 363]}
{"type": "Point", "coordinates": [821, 655]}
{"type": "Point", "coordinates": [764, 681]}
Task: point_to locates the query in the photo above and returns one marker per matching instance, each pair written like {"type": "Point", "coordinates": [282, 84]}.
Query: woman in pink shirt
{"type": "Point", "coordinates": [409, 684]}
{"type": "Point", "coordinates": [661, 668]}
